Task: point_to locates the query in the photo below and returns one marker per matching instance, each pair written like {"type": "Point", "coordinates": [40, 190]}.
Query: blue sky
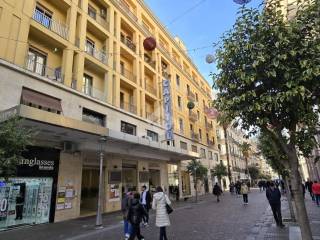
{"type": "Point", "coordinates": [200, 27]}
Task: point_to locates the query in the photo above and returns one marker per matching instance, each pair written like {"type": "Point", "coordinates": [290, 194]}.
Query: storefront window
{"type": "Point", "coordinates": [25, 201]}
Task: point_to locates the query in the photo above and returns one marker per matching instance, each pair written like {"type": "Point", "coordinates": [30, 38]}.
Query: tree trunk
{"type": "Point", "coordinates": [227, 152]}
{"type": "Point", "coordinates": [297, 193]}
{"type": "Point", "coordinates": [292, 215]}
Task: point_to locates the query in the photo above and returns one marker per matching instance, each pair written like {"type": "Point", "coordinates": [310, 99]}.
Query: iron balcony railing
{"type": "Point", "coordinates": [98, 54]}
{"type": "Point", "coordinates": [125, 7]}
{"type": "Point", "coordinates": [128, 43]}
{"type": "Point", "coordinates": [193, 116]}
{"type": "Point", "coordinates": [93, 92]}
{"type": "Point", "coordinates": [128, 74]}
{"type": "Point", "coordinates": [191, 96]}
{"type": "Point", "coordinates": [194, 136]}
{"type": "Point", "coordinates": [209, 126]}
{"type": "Point", "coordinates": [152, 116]}
{"type": "Point", "coordinates": [101, 20]}
{"type": "Point", "coordinates": [150, 62]}
{"type": "Point", "coordinates": [129, 107]}
{"type": "Point", "coordinates": [151, 89]}
{"type": "Point", "coordinates": [54, 25]}
{"type": "Point", "coordinates": [54, 74]}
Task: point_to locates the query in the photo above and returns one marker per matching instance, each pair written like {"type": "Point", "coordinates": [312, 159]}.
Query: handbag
{"type": "Point", "coordinates": [169, 208]}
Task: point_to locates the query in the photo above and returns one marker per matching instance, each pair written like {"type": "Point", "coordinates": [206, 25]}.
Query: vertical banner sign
{"type": "Point", "coordinates": [167, 109]}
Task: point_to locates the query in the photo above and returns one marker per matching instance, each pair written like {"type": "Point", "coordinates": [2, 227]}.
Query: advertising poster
{"type": "Point", "coordinates": [62, 195]}
{"type": "Point", "coordinates": [114, 192]}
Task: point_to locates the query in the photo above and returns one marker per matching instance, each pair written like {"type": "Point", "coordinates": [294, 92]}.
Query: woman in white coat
{"type": "Point", "coordinates": [160, 199]}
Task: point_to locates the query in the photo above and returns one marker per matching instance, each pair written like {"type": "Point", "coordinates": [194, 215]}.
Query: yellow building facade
{"type": "Point", "coordinates": [76, 70]}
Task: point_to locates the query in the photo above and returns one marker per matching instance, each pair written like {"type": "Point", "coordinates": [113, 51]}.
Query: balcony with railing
{"type": "Point", "coordinates": [193, 117]}
{"type": "Point", "coordinates": [191, 96]}
{"type": "Point", "coordinates": [150, 88]}
{"type": "Point", "coordinates": [53, 74]}
{"type": "Point", "coordinates": [52, 24]}
{"type": "Point", "coordinates": [209, 126]}
{"type": "Point", "coordinates": [150, 62]}
{"type": "Point", "coordinates": [124, 6]}
{"type": "Point", "coordinates": [128, 74]}
{"type": "Point", "coordinates": [194, 136]}
{"type": "Point", "coordinates": [164, 49]}
{"type": "Point", "coordinates": [152, 116]}
{"type": "Point", "coordinates": [97, 54]}
{"type": "Point", "coordinates": [166, 75]}
{"type": "Point", "coordinates": [210, 143]}
{"type": "Point", "coordinates": [129, 107]}
{"type": "Point", "coordinates": [99, 19]}
{"type": "Point", "coordinates": [93, 92]}
{"type": "Point", "coordinates": [128, 43]}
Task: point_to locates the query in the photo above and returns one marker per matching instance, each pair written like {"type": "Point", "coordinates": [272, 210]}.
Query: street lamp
{"type": "Point", "coordinates": [102, 141]}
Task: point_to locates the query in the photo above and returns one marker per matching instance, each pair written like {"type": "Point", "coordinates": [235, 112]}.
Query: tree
{"type": "Point", "coordinates": [254, 172]}
{"type": "Point", "coordinates": [219, 171]}
{"type": "Point", "coordinates": [269, 77]}
{"type": "Point", "coordinates": [14, 138]}
{"type": "Point", "coordinates": [198, 172]}
{"type": "Point", "coordinates": [278, 161]}
{"type": "Point", "coordinates": [245, 149]}
{"type": "Point", "coordinates": [225, 122]}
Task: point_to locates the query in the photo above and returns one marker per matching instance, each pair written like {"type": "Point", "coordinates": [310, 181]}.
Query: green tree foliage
{"type": "Point", "coordinates": [269, 77]}
{"type": "Point", "coordinates": [13, 141]}
{"type": "Point", "coordinates": [254, 172]}
{"type": "Point", "coordinates": [195, 168]}
{"type": "Point", "coordinates": [220, 171]}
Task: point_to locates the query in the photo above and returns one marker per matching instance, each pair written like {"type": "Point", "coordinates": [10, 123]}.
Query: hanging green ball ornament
{"type": "Point", "coordinates": [190, 105]}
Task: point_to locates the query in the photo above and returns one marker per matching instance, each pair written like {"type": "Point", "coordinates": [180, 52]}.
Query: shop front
{"type": "Point", "coordinates": [29, 198]}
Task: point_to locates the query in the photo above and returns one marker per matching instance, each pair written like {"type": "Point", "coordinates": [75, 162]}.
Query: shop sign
{"type": "Point", "coordinates": [167, 104]}
{"type": "Point", "coordinates": [46, 165]}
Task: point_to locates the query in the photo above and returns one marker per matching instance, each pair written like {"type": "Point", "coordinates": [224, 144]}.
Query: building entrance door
{"type": "Point", "coordinates": [89, 191]}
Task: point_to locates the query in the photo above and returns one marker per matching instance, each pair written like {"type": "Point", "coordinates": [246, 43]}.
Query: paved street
{"type": "Point", "coordinates": [227, 220]}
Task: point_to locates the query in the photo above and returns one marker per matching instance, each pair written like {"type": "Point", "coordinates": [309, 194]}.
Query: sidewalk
{"type": "Point", "coordinates": [80, 228]}
{"type": "Point", "coordinates": [266, 229]}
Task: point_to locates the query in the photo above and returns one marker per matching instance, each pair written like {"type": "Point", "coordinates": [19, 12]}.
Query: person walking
{"type": "Point", "coordinates": [316, 192]}
{"type": "Point", "coordinates": [135, 214]}
{"type": "Point", "coordinates": [125, 204]}
{"type": "Point", "coordinates": [217, 191]}
{"type": "Point", "coordinates": [146, 203]}
{"type": "Point", "coordinates": [303, 191]}
{"type": "Point", "coordinates": [231, 188]}
{"type": "Point", "coordinates": [244, 192]}
{"type": "Point", "coordinates": [260, 185]}
{"type": "Point", "coordinates": [308, 185]}
{"type": "Point", "coordinates": [274, 197]}
{"type": "Point", "coordinates": [238, 188]}
{"type": "Point", "coordinates": [160, 200]}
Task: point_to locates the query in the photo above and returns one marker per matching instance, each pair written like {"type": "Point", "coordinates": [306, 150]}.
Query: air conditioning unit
{"type": "Point", "coordinates": [103, 13]}
{"type": "Point", "coordinates": [147, 137]}
{"type": "Point", "coordinates": [69, 147]}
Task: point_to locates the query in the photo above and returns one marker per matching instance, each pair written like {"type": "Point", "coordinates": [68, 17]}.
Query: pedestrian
{"type": "Point", "coordinates": [238, 188]}
{"type": "Point", "coordinates": [308, 185]}
{"type": "Point", "coordinates": [303, 190]}
{"type": "Point", "coordinates": [125, 204]}
{"type": "Point", "coordinates": [274, 197]}
{"type": "Point", "coordinates": [316, 192]}
{"type": "Point", "coordinates": [146, 203]}
{"type": "Point", "coordinates": [283, 190]}
{"type": "Point", "coordinates": [260, 184]}
{"type": "Point", "coordinates": [231, 187]}
{"type": "Point", "coordinates": [135, 214]}
{"type": "Point", "coordinates": [217, 191]}
{"type": "Point", "coordinates": [244, 192]}
{"type": "Point", "coordinates": [159, 203]}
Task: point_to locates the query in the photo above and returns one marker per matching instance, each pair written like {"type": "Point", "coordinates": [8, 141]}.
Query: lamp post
{"type": "Point", "coordinates": [102, 140]}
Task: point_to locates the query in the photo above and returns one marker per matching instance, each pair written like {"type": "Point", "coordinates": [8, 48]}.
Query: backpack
{"type": "Point", "coordinates": [135, 214]}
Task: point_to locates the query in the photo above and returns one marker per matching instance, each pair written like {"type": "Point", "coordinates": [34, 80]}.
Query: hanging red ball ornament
{"type": "Point", "coordinates": [149, 44]}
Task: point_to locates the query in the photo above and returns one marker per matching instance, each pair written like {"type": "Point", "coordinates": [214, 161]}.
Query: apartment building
{"type": "Point", "coordinates": [76, 70]}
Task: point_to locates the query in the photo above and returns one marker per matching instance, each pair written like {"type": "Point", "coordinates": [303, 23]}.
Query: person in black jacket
{"type": "Point", "coordinates": [217, 191]}
{"type": "Point", "coordinates": [146, 203]}
{"type": "Point", "coordinates": [135, 214]}
{"type": "Point", "coordinates": [274, 197]}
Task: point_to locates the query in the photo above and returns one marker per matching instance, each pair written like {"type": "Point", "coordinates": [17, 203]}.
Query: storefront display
{"type": "Point", "coordinates": [28, 198]}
